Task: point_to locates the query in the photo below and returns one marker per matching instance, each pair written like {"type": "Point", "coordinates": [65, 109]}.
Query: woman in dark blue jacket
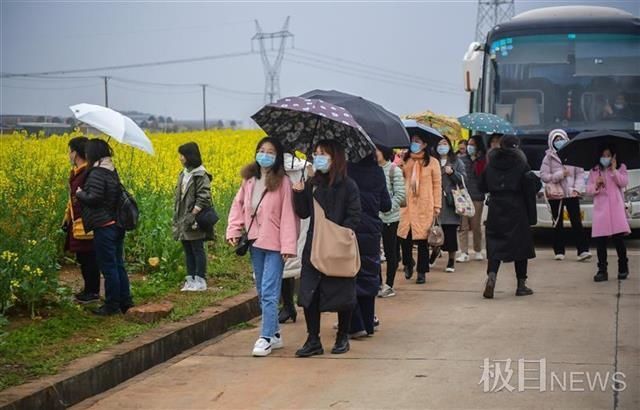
{"type": "Point", "coordinates": [374, 199]}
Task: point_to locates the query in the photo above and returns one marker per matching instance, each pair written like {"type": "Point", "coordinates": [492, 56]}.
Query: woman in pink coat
{"type": "Point", "coordinates": [266, 194]}
{"type": "Point", "coordinates": [570, 180]}
{"type": "Point", "coordinates": [606, 183]}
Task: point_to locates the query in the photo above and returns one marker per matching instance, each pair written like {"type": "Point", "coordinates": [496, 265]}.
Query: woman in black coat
{"type": "Point", "coordinates": [339, 197]}
{"type": "Point", "coordinates": [99, 198]}
{"type": "Point", "coordinates": [508, 180]}
{"type": "Point", "coordinates": [374, 198]}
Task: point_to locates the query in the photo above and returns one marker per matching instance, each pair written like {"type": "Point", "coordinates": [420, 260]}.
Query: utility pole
{"type": "Point", "coordinates": [106, 91]}
{"type": "Point", "coordinates": [204, 106]}
{"type": "Point", "coordinates": [490, 14]}
{"type": "Point", "coordinates": [272, 69]}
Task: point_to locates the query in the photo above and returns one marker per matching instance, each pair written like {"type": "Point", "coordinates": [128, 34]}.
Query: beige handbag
{"type": "Point", "coordinates": [334, 250]}
{"type": "Point", "coordinates": [77, 226]}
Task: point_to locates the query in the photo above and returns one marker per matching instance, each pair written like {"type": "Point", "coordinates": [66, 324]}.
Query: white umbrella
{"type": "Point", "coordinates": [118, 126]}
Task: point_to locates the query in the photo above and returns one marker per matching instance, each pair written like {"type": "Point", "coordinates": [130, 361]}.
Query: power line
{"type": "Point", "coordinates": [137, 65]}
{"type": "Point", "coordinates": [331, 63]}
{"type": "Point", "coordinates": [370, 77]}
{"type": "Point", "coordinates": [386, 70]}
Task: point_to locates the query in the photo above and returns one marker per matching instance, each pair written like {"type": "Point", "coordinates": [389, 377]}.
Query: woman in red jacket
{"type": "Point", "coordinates": [81, 246]}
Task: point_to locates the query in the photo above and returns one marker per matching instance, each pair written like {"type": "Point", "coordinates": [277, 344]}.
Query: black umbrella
{"type": "Point", "coordinates": [430, 135]}
{"type": "Point", "coordinates": [584, 150]}
{"type": "Point", "coordinates": [301, 122]}
{"type": "Point", "coordinates": [384, 127]}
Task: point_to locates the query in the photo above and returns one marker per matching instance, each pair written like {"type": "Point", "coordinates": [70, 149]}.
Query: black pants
{"type": "Point", "coordinates": [195, 257]}
{"type": "Point", "coordinates": [423, 253]}
{"type": "Point", "coordinates": [621, 248]}
{"type": "Point", "coordinates": [521, 267]}
{"type": "Point", "coordinates": [288, 287]}
{"type": "Point", "coordinates": [390, 245]}
{"type": "Point", "coordinates": [312, 317]}
{"type": "Point", "coordinates": [573, 209]}
{"type": "Point", "coordinates": [90, 271]}
{"type": "Point", "coordinates": [363, 315]}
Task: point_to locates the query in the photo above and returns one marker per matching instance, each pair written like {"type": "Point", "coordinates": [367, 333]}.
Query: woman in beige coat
{"type": "Point", "coordinates": [423, 183]}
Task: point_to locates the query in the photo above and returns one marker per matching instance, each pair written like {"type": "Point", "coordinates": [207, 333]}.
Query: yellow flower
{"type": "Point", "coordinates": [154, 262]}
{"type": "Point", "coordinates": [26, 268]}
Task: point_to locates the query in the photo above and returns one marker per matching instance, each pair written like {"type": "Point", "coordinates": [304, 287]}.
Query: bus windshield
{"type": "Point", "coordinates": [574, 81]}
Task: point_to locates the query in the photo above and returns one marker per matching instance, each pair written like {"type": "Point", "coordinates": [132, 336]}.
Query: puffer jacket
{"type": "Point", "coordinates": [100, 194]}
{"type": "Point", "coordinates": [395, 186]}
{"type": "Point", "coordinates": [552, 169]}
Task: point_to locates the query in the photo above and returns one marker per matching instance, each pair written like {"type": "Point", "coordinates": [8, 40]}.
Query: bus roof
{"type": "Point", "coordinates": [567, 19]}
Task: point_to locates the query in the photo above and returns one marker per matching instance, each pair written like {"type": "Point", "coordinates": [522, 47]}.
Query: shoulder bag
{"type": "Point", "coordinates": [244, 243]}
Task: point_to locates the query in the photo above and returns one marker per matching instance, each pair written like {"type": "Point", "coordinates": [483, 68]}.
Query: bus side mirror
{"type": "Point", "coordinates": [472, 66]}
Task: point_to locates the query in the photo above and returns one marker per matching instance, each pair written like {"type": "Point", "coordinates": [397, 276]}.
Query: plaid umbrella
{"type": "Point", "coordinates": [301, 122]}
{"type": "Point", "coordinates": [489, 123]}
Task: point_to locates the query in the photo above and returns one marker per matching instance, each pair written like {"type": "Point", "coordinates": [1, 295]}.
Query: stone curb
{"type": "Point", "coordinates": [88, 376]}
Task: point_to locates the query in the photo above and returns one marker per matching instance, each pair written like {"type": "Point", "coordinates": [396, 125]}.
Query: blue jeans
{"type": "Point", "coordinates": [109, 247]}
{"type": "Point", "coordinates": [268, 266]}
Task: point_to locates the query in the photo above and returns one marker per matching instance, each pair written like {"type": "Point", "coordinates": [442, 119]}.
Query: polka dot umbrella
{"type": "Point", "coordinates": [489, 123]}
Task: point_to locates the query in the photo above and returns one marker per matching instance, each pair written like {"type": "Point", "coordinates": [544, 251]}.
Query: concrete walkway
{"type": "Point", "coordinates": [430, 351]}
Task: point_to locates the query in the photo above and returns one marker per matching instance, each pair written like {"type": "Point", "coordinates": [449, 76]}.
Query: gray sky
{"type": "Point", "coordinates": [422, 39]}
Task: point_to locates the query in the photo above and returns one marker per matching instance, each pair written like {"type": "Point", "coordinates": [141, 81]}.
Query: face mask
{"type": "Point", "coordinates": [471, 150]}
{"type": "Point", "coordinates": [559, 143]}
{"type": "Point", "coordinates": [265, 160]}
{"type": "Point", "coordinates": [605, 161]}
{"type": "Point", "coordinates": [415, 147]}
{"type": "Point", "coordinates": [618, 106]}
{"type": "Point", "coordinates": [322, 163]}
{"type": "Point", "coordinates": [443, 149]}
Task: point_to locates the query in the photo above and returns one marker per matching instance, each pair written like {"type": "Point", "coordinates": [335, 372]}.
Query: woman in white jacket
{"type": "Point", "coordinates": [294, 168]}
{"type": "Point", "coordinates": [564, 184]}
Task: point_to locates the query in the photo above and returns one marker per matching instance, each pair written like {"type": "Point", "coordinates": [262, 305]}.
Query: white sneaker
{"type": "Point", "coordinates": [199, 285]}
{"type": "Point", "coordinates": [387, 292]}
{"type": "Point", "coordinates": [262, 347]}
{"type": "Point", "coordinates": [479, 256]}
{"type": "Point", "coordinates": [188, 284]}
{"type": "Point", "coordinates": [450, 270]}
{"type": "Point", "coordinates": [584, 256]}
{"type": "Point", "coordinates": [277, 342]}
{"type": "Point", "coordinates": [464, 257]}
{"type": "Point", "coordinates": [559, 257]}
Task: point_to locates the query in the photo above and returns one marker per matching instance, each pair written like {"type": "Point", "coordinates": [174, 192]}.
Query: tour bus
{"type": "Point", "coordinates": [561, 67]}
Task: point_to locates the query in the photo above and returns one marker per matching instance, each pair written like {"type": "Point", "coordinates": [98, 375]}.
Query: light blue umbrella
{"type": "Point", "coordinates": [489, 123]}
{"type": "Point", "coordinates": [430, 135]}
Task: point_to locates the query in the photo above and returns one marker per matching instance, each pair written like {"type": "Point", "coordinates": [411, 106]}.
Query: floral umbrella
{"type": "Point", "coordinates": [301, 122]}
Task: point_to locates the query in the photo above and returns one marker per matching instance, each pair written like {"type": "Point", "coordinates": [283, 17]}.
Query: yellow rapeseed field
{"type": "Point", "coordinates": [33, 193]}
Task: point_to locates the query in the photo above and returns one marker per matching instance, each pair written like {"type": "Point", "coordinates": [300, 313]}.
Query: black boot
{"type": "Point", "coordinates": [623, 268]}
{"type": "Point", "coordinates": [602, 274]}
{"type": "Point", "coordinates": [490, 286]}
{"type": "Point", "coordinates": [523, 290]}
{"type": "Point", "coordinates": [312, 347]}
{"type": "Point", "coordinates": [422, 278]}
{"type": "Point", "coordinates": [286, 313]}
{"type": "Point", "coordinates": [342, 344]}
{"type": "Point", "coordinates": [288, 310]}
{"type": "Point", "coordinates": [408, 271]}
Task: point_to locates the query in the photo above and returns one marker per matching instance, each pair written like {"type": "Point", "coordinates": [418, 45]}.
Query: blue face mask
{"type": "Point", "coordinates": [471, 150]}
{"type": "Point", "coordinates": [559, 144]}
{"type": "Point", "coordinates": [443, 149]}
{"type": "Point", "coordinates": [265, 160]}
{"type": "Point", "coordinates": [322, 163]}
{"type": "Point", "coordinates": [605, 161]}
{"type": "Point", "coordinates": [415, 147]}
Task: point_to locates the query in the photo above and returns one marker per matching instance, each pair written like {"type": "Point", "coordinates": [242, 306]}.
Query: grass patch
{"type": "Point", "coordinates": [31, 349]}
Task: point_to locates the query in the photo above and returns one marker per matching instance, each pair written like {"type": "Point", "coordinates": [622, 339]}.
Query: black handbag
{"type": "Point", "coordinates": [244, 243]}
{"type": "Point", "coordinates": [207, 218]}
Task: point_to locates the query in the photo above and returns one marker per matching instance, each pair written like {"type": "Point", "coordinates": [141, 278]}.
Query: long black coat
{"type": "Point", "coordinates": [507, 180]}
{"type": "Point", "coordinates": [374, 197]}
{"type": "Point", "coordinates": [341, 204]}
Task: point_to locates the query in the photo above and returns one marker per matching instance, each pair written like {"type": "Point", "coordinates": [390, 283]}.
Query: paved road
{"type": "Point", "coordinates": [430, 351]}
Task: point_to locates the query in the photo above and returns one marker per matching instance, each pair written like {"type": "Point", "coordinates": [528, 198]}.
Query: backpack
{"type": "Point", "coordinates": [127, 213]}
